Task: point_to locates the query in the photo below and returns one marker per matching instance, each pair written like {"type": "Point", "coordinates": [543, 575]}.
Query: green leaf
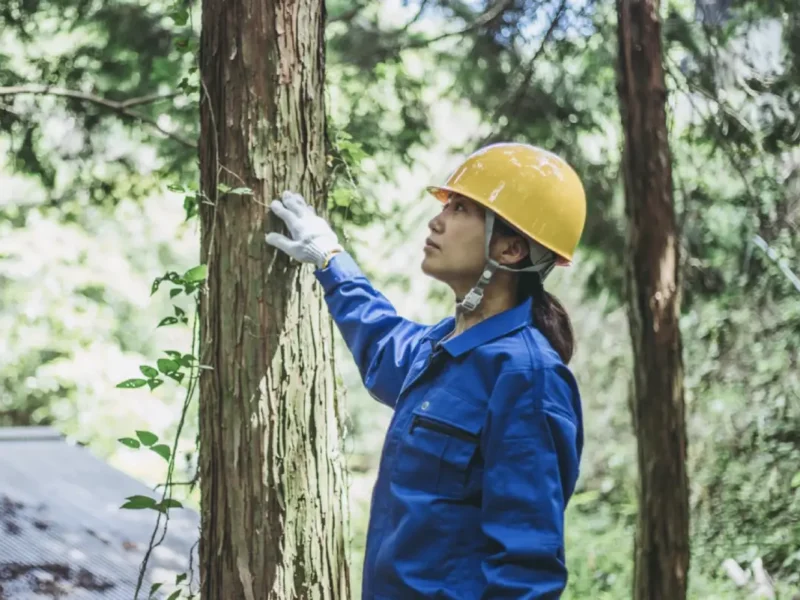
{"type": "Point", "coordinates": [148, 371]}
{"type": "Point", "coordinates": [177, 376]}
{"type": "Point", "coordinates": [224, 188]}
{"type": "Point", "coordinates": [174, 292]}
{"type": "Point", "coordinates": [154, 588]}
{"type": "Point", "coordinates": [173, 354]}
{"type": "Point", "coordinates": [168, 276]}
{"type": "Point", "coordinates": [139, 502]}
{"type": "Point", "coordinates": [132, 383]}
{"type": "Point", "coordinates": [796, 480]}
{"type": "Point", "coordinates": [180, 578]}
{"type": "Point", "coordinates": [165, 365]}
{"type": "Point", "coordinates": [187, 359]}
{"type": "Point", "coordinates": [168, 321]}
{"type": "Point", "coordinates": [148, 438]}
{"type": "Point", "coordinates": [194, 274]}
{"type": "Point", "coordinates": [241, 191]}
{"type": "Point", "coordinates": [181, 17]}
{"type": "Point", "coordinates": [162, 450]}
{"type": "Point", "coordinates": [129, 442]}
{"type": "Point", "coordinates": [174, 595]}
{"type": "Point", "coordinates": [154, 383]}
{"type": "Point", "coordinates": [166, 504]}
{"type": "Point", "coordinates": [179, 312]}
{"type": "Point", "coordinates": [190, 206]}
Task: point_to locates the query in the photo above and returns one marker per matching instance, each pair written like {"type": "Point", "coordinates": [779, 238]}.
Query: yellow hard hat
{"type": "Point", "coordinates": [532, 189]}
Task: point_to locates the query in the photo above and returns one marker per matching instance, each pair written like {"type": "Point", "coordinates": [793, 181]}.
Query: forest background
{"type": "Point", "coordinates": [98, 198]}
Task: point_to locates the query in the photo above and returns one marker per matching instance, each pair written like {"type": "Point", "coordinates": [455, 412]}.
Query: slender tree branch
{"type": "Point", "coordinates": [548, 34]}
{"type": "Point", "coordinates": [484, 19]}
{"type": "Point", "coordinates": [422, 5]}
{"type": "Point", "coordinates": [122, 108]}
{"type": "Point", "coordinates": [767, 249]}
{"type": "Point", "coordinates": [152, 98]}
{"type": "Point", "coordinates": [519, 92]}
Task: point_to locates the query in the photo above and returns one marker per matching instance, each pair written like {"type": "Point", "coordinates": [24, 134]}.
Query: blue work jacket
{"type": "Point", "coordinates": [481, 455]}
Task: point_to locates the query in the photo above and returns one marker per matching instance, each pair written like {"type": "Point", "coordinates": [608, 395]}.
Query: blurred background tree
{"type": "Point", "coordinates": [98, 119]}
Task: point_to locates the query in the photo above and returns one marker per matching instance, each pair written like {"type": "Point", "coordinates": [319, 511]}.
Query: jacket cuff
{"type": "Point", "coordinates": [341, 268]}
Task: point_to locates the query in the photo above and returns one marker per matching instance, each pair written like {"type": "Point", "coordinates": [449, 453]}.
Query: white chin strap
{"type": "Point", "coordinates": [542, 262]}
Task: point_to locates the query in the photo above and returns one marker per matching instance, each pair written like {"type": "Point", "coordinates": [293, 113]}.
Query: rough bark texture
{"type": "Point", "coordinates": [273, 488]}
{"type": "Point", "coordinates": [662, 541]}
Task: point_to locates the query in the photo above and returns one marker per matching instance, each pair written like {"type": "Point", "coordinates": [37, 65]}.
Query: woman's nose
{"type": "Point", "coordinates": [435, 224]}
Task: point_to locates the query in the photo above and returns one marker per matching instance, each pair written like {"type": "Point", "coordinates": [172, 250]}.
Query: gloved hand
{"type": "Point", "coordinates": [312, 238]}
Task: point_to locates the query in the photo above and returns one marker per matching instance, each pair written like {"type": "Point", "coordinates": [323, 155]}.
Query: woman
{"type": "Point", "coordinates": [483, 449]}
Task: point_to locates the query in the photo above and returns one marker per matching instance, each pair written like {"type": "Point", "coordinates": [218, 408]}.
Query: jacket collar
{"type": "Point", "coordinates": [496, 326]}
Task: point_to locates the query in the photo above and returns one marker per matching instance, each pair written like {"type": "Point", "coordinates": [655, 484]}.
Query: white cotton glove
{"type": "Point", "coordinates": [312, 238]}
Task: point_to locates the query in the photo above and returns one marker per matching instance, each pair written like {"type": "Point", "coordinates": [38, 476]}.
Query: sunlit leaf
{"type": "Point", "coordinates": [194, 274]}
{"type": "Point", "coordinates": [148, 438]}
{"type": "Point", "coordinates": [162, 450]}
{"type": "Point", "coordinates": [148, 371]}
{"type": "Point", "coordinates": [132, 383]}
{"type": "Point", "coordinates": [139, 502]}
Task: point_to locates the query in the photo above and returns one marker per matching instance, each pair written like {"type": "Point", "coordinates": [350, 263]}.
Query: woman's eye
{"type": "Point", "coordinates": [456, 206]}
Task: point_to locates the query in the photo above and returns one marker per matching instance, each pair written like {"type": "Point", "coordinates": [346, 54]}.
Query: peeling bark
{"type": "Point", "coordinates": [662, 540]}
{"type": "Point", "coordinates": [273, 487]}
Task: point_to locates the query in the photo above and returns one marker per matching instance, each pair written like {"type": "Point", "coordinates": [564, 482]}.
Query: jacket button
{"type": "Point", "coordinates": [425, 405]}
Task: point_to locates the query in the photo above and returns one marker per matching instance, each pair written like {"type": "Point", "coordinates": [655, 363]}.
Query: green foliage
{"type": "Point", "coordinates": [118, 51]}
{"type": "Point", "coordinates": [148, 438]}
{"type": "Point", "coordinates": [138, 502]}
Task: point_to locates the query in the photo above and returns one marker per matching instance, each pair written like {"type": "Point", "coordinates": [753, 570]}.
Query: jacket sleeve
{"type": "Point", "coordinates": [532, 444]}
{"type": "Point", "coordinates": [382, 343]}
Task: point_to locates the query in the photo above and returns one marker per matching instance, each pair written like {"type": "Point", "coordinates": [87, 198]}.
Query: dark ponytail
{"type": "Point", "coordinates": [549, 315]}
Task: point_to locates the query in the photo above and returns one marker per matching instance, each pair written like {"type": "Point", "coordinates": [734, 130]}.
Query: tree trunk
{"type": "Point", "coordinates": [272, 481]}
{"type": "Point", "coordinates": [662, 540]}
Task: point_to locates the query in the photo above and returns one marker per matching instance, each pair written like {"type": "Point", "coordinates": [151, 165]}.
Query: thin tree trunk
{"type": "Point", "coordinates": [662, 540]}
{"type": "Point", "coordinates": [273, 488]}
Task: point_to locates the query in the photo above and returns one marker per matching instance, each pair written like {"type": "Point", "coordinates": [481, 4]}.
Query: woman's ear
{"type": "Point", "coordinates": [513, 249]}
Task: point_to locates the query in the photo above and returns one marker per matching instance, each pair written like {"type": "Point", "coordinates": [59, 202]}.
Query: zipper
{"type": "Point", "coordinates": [425, 423]}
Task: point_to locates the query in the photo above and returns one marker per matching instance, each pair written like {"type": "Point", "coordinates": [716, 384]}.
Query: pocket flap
{"type": "Point", "coordinates": [449, 409]}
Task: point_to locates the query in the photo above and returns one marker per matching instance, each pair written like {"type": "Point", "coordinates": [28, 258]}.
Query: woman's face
{"type": "Point", "coordinates": [454, 250]}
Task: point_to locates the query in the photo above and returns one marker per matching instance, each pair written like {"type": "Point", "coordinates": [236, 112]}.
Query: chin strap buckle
{"type": "Point", "coordinates": [471, 300]}
{"type": "Point", "coordinates": [475, 295]}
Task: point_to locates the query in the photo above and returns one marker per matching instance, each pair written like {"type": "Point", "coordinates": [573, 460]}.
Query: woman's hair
{"type": "Point", "coordinates": [548, 314]}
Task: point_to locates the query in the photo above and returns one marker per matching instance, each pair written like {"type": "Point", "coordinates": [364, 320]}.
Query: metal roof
{"type": "Point", "coordinates": [62, 533]}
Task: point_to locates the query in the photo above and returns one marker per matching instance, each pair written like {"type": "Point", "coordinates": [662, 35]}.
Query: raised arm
{"type": "Point", "coordinates": [382, 343]}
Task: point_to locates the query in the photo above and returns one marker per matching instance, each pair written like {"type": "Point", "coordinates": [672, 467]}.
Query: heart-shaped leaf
{"type": "Point", "coordinates": [148, 438]}
{"type": "Point", "coordinates": [166, 365]}
{"type": "Point", "coordinates": [162, 450]}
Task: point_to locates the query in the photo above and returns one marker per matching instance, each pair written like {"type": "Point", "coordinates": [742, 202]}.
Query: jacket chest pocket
{"type": "Point", "coordinates": [439, 449]}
